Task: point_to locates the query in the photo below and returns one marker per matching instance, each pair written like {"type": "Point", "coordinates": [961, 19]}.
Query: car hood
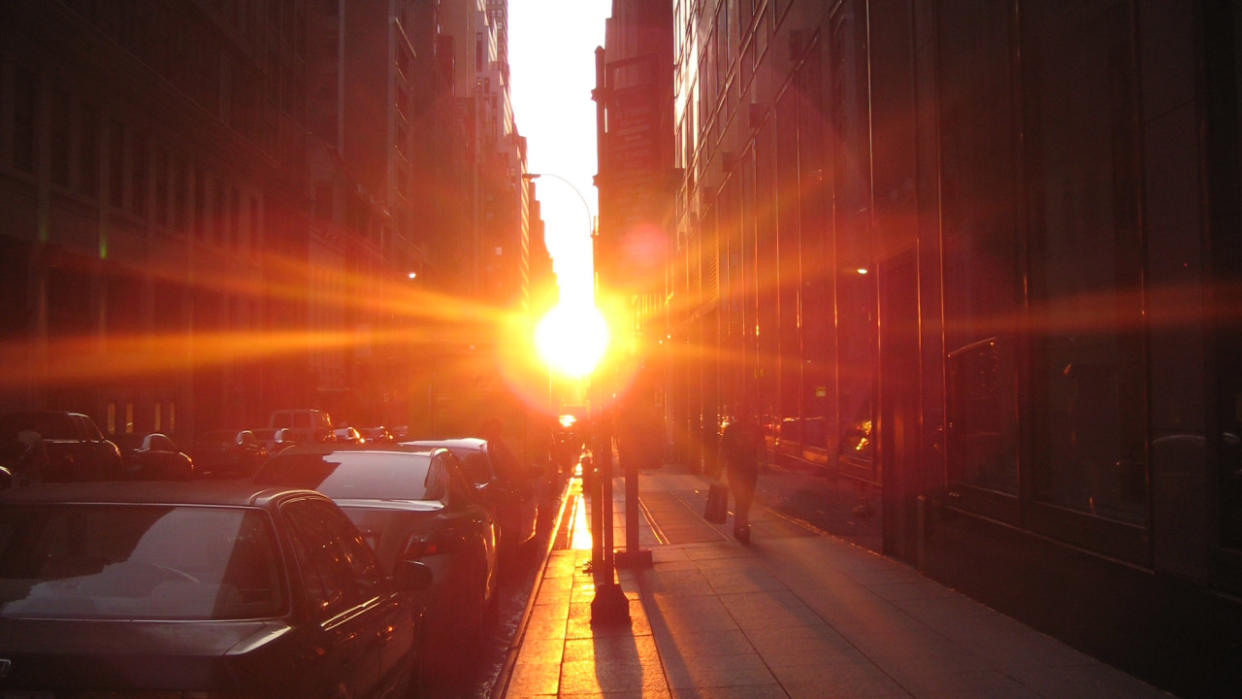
{"type": "Point", "coordinates": [121, 654]}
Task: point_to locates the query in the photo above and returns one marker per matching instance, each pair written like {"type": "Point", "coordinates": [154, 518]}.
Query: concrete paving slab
{"type": "Point", "coordinates": [718, 671]}
{"type": "Point", "coordinates": [539, 678]}
{"type": "Point", "coordinates": [765, 691]}
{"type": "Point", "coordinates": [838, 680]}
{"type": "Point", "coordinates": [587, 677]}
{"type": "Point", "coordinates": [687, 644]}
{"type": "Point", "coordinates": [612, 649]}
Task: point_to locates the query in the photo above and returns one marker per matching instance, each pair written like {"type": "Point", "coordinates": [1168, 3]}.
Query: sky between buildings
{"type": "Point", "coordinates": [552, 67]}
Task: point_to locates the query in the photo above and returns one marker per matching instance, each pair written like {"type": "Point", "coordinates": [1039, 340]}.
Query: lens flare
{"type": "Point", "coordinates": [572, 339]}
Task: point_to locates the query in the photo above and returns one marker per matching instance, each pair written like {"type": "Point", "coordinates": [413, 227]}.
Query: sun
{"type": "Point", "coordinates": [571, 339]}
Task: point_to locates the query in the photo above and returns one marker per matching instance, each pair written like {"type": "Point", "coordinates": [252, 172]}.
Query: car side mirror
{"type": "Point", "coordinates": [412, 576]}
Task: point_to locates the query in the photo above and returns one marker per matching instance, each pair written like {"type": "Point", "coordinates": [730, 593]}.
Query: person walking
{"type": "Point", "coordinates": [741, 448]}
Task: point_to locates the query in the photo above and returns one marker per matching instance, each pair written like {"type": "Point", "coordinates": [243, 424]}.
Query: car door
{"type": "Point", "coordinates": [394, 611]}
{"type": "Point", "coordinates": [346, 595]}
{"type": "Point", "coordinates": [475, 528]}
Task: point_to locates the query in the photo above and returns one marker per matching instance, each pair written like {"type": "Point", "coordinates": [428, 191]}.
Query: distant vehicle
{"type": "Point", "coordinates": [378, 435]}
{"type": "Point", "coordinates": [266, 436]}
{"type": "Point", "coordinates": [348, 435]}
{"type": "Point", "coordinates": [197, 589]}
{"type": "Point", "coordinates": [502, 486]}
{"type": "Point", "coordinates": [229, 453]}
{"type": "Point", "coordinates": [154, 457]}
{"type": "Point", "coordinates": [410, 504]}
{"type": "Point", "coordinates": [52, 445]}
{"type": "Point", "coordinates": [305, 424]}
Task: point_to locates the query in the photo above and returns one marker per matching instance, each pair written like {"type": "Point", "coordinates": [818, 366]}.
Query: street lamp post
{"type": "Point", "coordinates": [609, 605]}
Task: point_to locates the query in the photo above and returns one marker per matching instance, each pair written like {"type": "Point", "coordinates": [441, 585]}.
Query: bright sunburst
{"type": "Point", "coordinates": [572, 338]}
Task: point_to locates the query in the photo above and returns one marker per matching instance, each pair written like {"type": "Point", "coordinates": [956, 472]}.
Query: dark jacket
{"type": "Point", "coordinates": [741, 447]}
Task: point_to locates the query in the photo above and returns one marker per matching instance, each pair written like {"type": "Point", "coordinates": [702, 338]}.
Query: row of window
{"type": "Point", "coordinates": [89, 149]}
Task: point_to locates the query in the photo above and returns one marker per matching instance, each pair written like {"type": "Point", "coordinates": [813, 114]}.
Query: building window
{"type": "Point", "coordinates": [1081, 147]}
{"type": "Point", "coordinates": [138, 171]}
{"type": "Point", "coordinates": [180, 194]}
{"type": "Point", "coordinates": [201, 188]}
{"type": "Point", "coordinates": [220, 213]}
{"type": "Point", "coordinates": [62, 133]}
{"type": "Point", "coordinates": [161, 188]}
{"type": "Point", "coordinates": [88, 152]}
{"type": "Point", "coordinates": [981, 245]}
{"type": "Point", "coordinates": [116, 164]}
{"type": "Point", "coordinates": [857, 321]}
{"type": "Point", "coordinates": [25, 108]}
{"type": "Point", "coordinates": [254, 224]}
{"type": "Point", "coordinates": [323, 201]}
{"type": "Point", "coordinates": [129, 418]}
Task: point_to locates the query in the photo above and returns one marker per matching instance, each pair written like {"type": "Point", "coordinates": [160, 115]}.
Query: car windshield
{"type": "Point", "coordinates": [48, 425]}
{"type": "Point", "coordinates": [137, 562]}
{"type": "Point", "coordinates": [361, 475]}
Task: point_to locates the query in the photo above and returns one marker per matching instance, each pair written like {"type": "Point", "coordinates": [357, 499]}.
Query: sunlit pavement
{"type": "Point", "coordinates": [797, 613]}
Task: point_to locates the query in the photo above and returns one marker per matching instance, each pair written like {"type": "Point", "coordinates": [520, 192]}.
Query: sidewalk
{"type": "Point", "coordinates": [797, 613]}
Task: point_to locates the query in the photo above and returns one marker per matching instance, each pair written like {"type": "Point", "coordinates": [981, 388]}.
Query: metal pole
{"type": "Point", "coordinates": [609, 604]}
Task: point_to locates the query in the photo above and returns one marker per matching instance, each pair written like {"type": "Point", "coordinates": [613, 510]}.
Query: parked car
{"type": "Point", "coordinates": [378, 435]}
{"type": "Point", "coordinates": [348, 435]}
{"type": "Point", "coordinates": [306, 425]}
{"type": "Point", "coordinates": [205, 589]}
{"type": "Point", "coordinates": [229, 453]}
{"type": "Point", "coordinates": [154, 457]}
{"type": "Point", "coordinates": [499, 482]}
{"type": "Point", "coordinates": [410, 504]}
{"type": "Point", "coordinates": [52, 445]}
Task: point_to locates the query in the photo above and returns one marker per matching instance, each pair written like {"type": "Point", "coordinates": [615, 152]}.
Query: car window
{"type": "Point", "coordinates": [133, 562]}
{"type": "Point", "coordinates": [477, 467]}
{"type": "Point", "coordinates": [338, 570]}
{"type": "Point", "coordinates": [369, 475]}
{"type": "Point", "coordinates": [460, 491]}
{"type": "Point", "coordinates": [280, 420]}
{"type": "Point", "coordinates": [504, 462]}
{"type": "Point", "coordinates": [160, 442]}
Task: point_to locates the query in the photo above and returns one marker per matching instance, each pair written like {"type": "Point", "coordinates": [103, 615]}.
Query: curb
{"type": "Point", "coordinates": [515, 645]}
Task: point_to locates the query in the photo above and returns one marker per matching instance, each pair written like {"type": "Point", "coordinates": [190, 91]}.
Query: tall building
{"type": "Point", "coordinates": [217, 209]}
{"type": "Point", "coordinates": [974, 262]}
{"type": "Point", "coordinates": [150, 166]}
{"type": "Point", "coordinates": [497, 220]}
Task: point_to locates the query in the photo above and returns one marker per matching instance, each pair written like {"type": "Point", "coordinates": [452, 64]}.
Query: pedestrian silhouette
{"type": "Point", "coordinates": [741, 448]}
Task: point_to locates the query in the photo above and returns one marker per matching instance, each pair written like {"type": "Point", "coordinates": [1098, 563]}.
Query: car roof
{"type": "Point", "coordinates": [230, 493]}
{"type": "Point", "coordinates": [451, 443]}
